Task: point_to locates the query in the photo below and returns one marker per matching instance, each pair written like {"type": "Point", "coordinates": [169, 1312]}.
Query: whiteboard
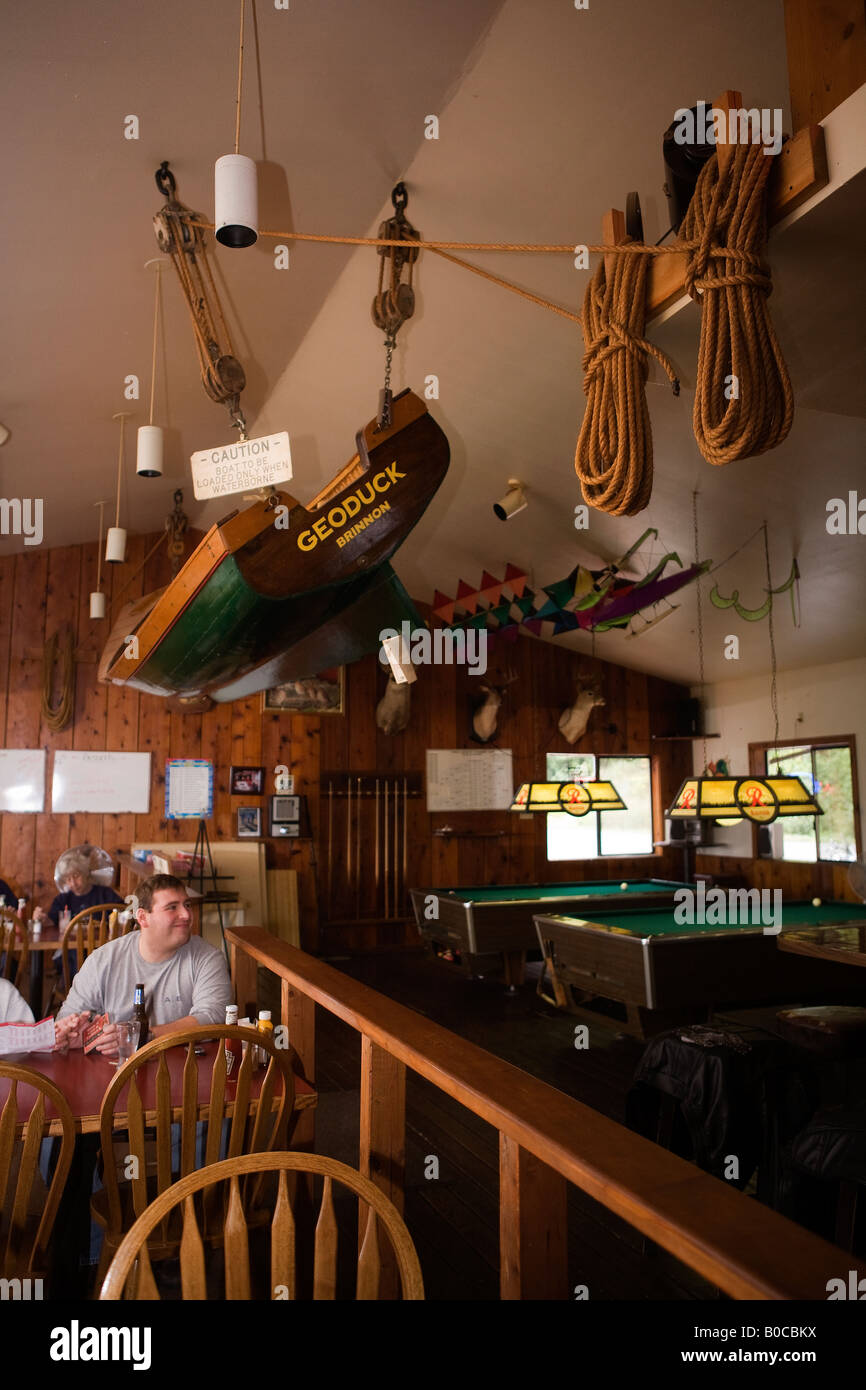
{"type": "Point", "coordinates": [469, 779]}
{"type": "Point", "coordinates": [101, 782]}
{"type": "Point", "coordinates": [22, 779]}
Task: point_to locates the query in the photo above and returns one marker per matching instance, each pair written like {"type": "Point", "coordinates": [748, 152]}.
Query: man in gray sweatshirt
{"type": "Point", "coordinates": [185, 980]}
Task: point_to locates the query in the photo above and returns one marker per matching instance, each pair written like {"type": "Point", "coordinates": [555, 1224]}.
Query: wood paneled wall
{"type": "Point", "coordinates": [42, 591]}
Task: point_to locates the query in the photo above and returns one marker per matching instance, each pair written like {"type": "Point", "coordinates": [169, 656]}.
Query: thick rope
{"type": "Point", "coordinates": [57, 716]}
{"type": "Point", "coordinates": [614, 455]}
{"type": "Point", "coordinates": [744, 404]}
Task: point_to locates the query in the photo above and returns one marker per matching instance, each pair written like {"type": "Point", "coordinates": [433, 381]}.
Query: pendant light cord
{"type": "Point", "coordinates": [774, 694]}
{"type": "Point", "coordinates": [155, 339]}
{"type": "Point", "coordinates": [101, 506]}
{"type": "Point", "coordinates": [700, 623]}
{"type": "Point", "coordinates": [240, 79]}
{"type": "Point", "coordinates": [122, 419]}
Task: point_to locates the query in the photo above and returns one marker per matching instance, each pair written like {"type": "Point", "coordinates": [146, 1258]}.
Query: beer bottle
{"type": "Point", "coordinates": [139, 1016]}
{"type": "Point", "coordinates": [234, 1046]}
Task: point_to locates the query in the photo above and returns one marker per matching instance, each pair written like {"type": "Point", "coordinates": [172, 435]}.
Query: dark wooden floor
{"type": "Point", "coordinates": [454, 1219]}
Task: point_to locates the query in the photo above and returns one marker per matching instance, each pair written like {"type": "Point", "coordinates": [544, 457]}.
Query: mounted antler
{"type": "Point", "coordinates": [486, 715]}
{"type": "Point", "coordinates": [573, 721]}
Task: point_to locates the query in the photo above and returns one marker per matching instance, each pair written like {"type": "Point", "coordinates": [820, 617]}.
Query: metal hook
{"type": "Point", "coordinates": [165, 180]}
{"type": "Point", "coordinates": [399, 197]}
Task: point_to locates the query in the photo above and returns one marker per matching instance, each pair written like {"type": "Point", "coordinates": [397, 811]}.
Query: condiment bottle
{"type": "Point", "coordinates": [264, 1025]}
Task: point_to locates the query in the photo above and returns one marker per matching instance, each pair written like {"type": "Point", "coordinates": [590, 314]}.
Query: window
{"type": "Point", "coordinates": [602, 833]}
{"type": "Point", "coordinates": [827, 768]}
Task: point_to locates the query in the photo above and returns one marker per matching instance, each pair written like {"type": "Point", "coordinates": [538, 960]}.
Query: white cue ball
{"type": "Point", "coordinates": [816, 902]}
{"type": "Point", "coordinates": [623, 886]}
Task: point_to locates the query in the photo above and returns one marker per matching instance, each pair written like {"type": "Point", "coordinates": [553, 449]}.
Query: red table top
{"type": "Point", "coordinates": [84, 1079]}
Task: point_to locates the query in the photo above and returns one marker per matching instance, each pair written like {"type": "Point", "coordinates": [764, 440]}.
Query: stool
{"type": "Point", "coordinates": [835, 1036]}
{"type": "Point", "coordinates": [831, 1148]}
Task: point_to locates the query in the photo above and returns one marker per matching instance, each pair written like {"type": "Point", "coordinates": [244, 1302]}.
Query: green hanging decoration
{"type": "Point", "coordinates": [754, 615]}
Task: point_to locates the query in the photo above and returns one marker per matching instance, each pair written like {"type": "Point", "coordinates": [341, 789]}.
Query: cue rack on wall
{"type": "Point", "coordinates": [365, 839]}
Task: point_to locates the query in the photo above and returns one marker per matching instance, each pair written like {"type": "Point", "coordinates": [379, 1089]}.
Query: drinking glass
{"type": "Point", "coordinates": [127, 1036]}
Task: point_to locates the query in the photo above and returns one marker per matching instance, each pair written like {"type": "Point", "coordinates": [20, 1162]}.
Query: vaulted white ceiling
{"type": "Point", "coordinates": [548, 115]}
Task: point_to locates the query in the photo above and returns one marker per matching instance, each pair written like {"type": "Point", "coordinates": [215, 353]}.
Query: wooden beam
{"type": "Point", "coordinates": [826, 55]}
{"type": "Point", "coordinates": [298, 1013]}
{"type": "Point", "coordinates": [533, 1260]}
{"type": "Point", "coordinates": [383, 1143]}
{"type": "Point", "coordinates": [799, 171]}
{"type": "Point", "coordinates": [612, 234]}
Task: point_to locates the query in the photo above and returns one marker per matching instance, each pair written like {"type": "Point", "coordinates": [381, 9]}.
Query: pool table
{"type": "Point", "coordinates": [480, 928]}
{"type": "Point", "coordinates": [663, 974]}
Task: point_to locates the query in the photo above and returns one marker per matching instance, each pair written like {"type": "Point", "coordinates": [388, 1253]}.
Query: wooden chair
{"type": "Point", "coordinates": [27, 1209]}
{"type": "Point", "coordinates": [126, 1197]}
{"type": "Point", "coordinates": [283, 1281]}
{"type": "Point", "coordinates": [87, 931]}
{"type": "Point", "coordinates": [15, 953]}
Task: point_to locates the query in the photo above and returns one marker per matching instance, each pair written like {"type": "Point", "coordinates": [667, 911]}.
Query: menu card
{"type": "Point", "coordinates": [26, 1037]}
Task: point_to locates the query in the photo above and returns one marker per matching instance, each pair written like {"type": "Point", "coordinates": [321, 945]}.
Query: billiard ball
{"type": "Point", "coordinates": [816, 902]}
{"type": "Point", "coordinates": [623, 886]}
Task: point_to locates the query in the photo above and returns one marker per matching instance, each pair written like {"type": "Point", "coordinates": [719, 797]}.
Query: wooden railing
{"type": "Point", "coordinates": [546, 1139]}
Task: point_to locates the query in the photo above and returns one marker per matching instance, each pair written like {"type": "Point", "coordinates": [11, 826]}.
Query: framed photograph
{"type": "Point", "coordinates": [247, 781]}
{"type": "Point", "coordinates": [249, 822]}
{"type": "Point", "coordinates": [322, 694]}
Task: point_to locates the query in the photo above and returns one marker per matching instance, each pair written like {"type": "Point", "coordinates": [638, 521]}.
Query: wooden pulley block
{"type": "Point", "coordinates": [378, 312]}
{"type": "Point", "coordinates": [164, 235]}
{"type": "Point", "coordinates": [230, 374]}
{"type": "Point", "coordinates": [404, 301]}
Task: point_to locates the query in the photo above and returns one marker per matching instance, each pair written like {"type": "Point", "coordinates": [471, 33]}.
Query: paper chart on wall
{"type": "Point", "coordinates": [469, 779]}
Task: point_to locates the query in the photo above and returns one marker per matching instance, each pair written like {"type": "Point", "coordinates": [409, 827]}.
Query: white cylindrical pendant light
{"type": "Point", "coordinates": [97, 605]}
{"type": "Point", "coordinates": [115, 546]}
{"type": "Point", "coordinates": [236, 200]}
{"type": "Point", "coordinates": [148, 463]}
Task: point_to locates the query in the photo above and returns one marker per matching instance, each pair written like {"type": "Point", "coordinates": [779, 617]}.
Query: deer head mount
{"type": "Point", "coordinates": [486, 713]}
{"type": "Point", "coordinates": [392, 711]}
{"type": "Point", "coordinates": [573, 721]}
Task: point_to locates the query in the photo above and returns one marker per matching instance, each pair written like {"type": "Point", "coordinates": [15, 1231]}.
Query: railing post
{"type": "Point", "coordinates": [298, 1013]}
{"type": "Point", "coordinates": [383, 1142]}
{"type": "Point", "coordinates": [532, 1226]}
{"type": "Point", "coordinates": [245, 979]}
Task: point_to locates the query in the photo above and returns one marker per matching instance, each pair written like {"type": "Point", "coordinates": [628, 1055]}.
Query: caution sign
{"type": "Point", "coordinates": [242, 466]}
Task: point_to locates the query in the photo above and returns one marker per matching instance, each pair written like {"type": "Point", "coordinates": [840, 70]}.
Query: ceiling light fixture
{"type": "Point", "coordinates": [115, 541]}
{"type": "Point", "coordinates": [148, 462]}
{"type": "Point", "coordinates": [576, 798]}
{"type": "Point", "coordinates": [513, 502]}
{"type": "Point", "coordinates": [236, 199]}
{"type": "Point", "coordinates": [97, 599]}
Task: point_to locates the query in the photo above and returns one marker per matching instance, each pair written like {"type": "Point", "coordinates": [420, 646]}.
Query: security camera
{"type": "Point", "coordinates": [513, 502]}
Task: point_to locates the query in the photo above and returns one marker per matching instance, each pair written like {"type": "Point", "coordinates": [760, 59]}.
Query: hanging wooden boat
{"type": "Point", "coordinates": [280, 591]}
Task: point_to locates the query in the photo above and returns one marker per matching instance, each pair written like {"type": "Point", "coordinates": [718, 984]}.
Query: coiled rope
{"type": "Point", "coordinates": [57, 716]}
{"type": "Point", "coordinates": [614, 455]}
{"type": "Point", "coordinates": [744, 404]}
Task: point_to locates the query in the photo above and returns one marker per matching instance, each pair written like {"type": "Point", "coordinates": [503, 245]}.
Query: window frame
{"type": "Point", "coordinates": [653, 852]}
{"type": "Point", "coordinates": [758, 768]}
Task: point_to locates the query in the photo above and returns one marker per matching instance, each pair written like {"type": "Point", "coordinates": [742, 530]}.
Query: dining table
{"type": "Point", "coordinates": [84, 1078]}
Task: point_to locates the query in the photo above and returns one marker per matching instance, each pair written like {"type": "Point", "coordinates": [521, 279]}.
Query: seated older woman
{"type": "Point", "coordinates": [78, 891]}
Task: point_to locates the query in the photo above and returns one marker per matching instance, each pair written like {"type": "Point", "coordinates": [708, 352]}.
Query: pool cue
{"type": "Point", "coordinates": [349, 829]}
{"type": "Point", "coordinates": [376, 861]}
{"type": "Point", "coordinates": [396, 860]}
{"type": "Point", "coordinates": [358, 870]}
{"type": "Point", "coordinates": [330, 848]}
{"type": "Point", "coordinates": [386, 847]}
{"type": "Point", "coordinates": [405, 828]}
